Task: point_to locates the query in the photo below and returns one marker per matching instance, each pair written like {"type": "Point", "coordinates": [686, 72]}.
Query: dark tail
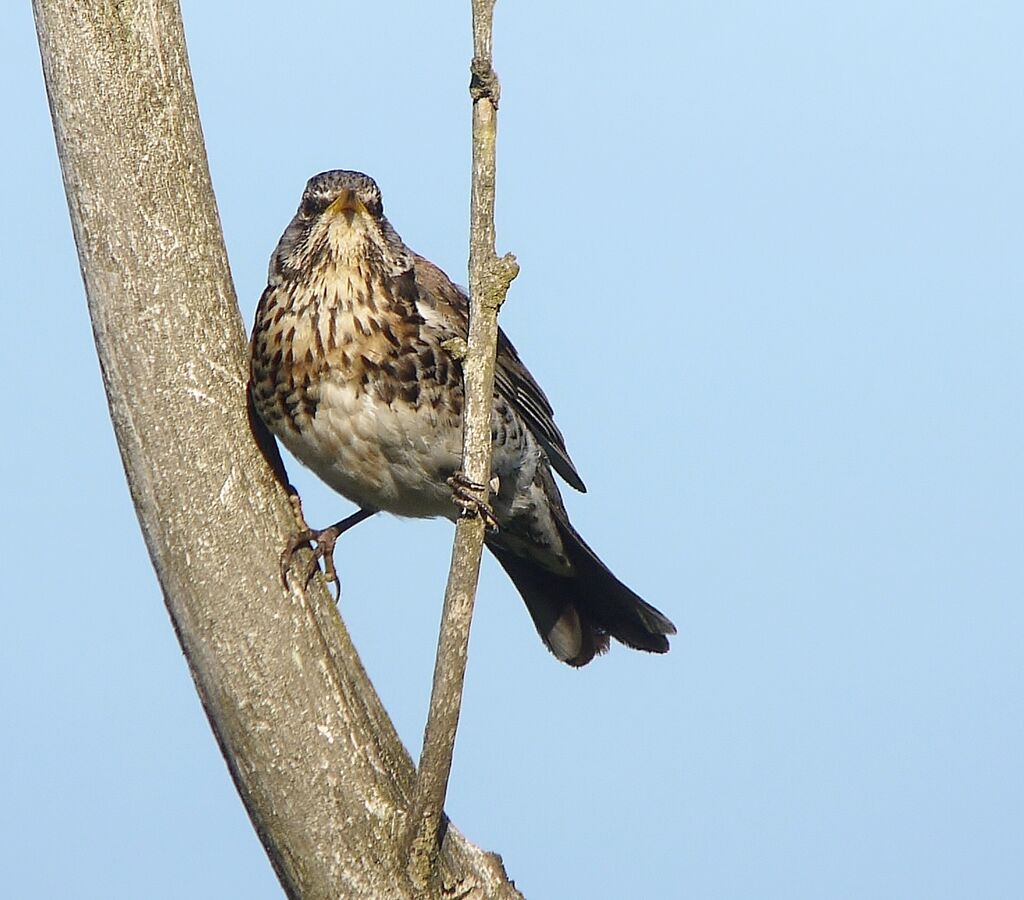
{"type": "Point", "coordinates": [576, 614]}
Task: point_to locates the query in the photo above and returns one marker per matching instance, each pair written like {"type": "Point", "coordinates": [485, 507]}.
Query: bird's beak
{"type": "Point", "coordinates": [346, 201]}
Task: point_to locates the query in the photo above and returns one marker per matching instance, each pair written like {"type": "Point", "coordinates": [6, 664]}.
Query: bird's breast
{"type": "Point", "coordinates": [360, 392]}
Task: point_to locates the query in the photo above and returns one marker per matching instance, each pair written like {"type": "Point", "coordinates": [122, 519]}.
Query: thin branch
{"type": "Point", "coordinates": [489, 280]}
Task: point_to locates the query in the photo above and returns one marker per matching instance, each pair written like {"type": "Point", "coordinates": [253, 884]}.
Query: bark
{"type": "Point", "coordinates": [489, 280]}
{"type": "Point", "coordinates": [312, 752]}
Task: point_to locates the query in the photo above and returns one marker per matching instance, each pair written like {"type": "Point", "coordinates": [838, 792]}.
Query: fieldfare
{"type": "Point", "coordinates": [350, 368]}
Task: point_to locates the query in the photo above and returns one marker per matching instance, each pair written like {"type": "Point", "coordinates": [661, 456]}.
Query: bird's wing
{"type": "Point", "coordinates": [512, 380]}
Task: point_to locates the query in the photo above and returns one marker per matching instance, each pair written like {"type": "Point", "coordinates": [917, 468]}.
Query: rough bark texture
{"type": "Point", "coordinates": [315, 758]}
{"type": "Point", "coordinates": [489, 280]}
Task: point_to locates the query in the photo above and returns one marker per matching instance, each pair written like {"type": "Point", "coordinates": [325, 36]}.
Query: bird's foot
{"type": "Point", "coordinates": [464, 495]}
{"type": "Point", "coordinates": [324, 539]}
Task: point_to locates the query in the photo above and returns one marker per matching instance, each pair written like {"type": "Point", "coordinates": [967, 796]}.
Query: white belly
{"type": "Point", "coordinates": [390, 458]}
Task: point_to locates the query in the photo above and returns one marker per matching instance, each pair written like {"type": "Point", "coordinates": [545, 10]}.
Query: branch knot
{"type": "Point", "coordinates": [457, 348]}
{"type": "Point", "coordinates": [500, 273]}
{"type": "Point", "coordinates": [483, 81]}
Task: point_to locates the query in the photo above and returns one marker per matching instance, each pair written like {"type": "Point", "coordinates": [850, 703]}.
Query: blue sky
{"type": "Point", "coordinates": [771, 281]}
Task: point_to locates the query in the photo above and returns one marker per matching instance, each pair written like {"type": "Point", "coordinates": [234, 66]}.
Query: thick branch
{"type": "Point", "coordinates": [489, 280]}
{"type": "Point", "coordinates": [315, 759]}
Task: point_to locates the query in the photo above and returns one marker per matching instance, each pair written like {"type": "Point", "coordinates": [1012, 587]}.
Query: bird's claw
{"type": "Point", "coordinates": [324, 539]}
{"type": "Point", "coordinates": [464, 495]}
{"type": "Point", "coordinates": [324, 549]}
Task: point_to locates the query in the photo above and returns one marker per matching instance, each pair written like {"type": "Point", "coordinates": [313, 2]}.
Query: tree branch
{"type": "Point", "coordinates": [312, 752]}
{"type": "Point", "coordinates": [489, 280]}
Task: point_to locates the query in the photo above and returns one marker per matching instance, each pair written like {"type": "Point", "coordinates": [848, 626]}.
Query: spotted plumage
{"type": "Point", "coordinates": [349, 368]}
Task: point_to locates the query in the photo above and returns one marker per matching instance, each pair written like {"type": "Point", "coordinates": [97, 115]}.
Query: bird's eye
{"type": "Point", "coordinates": [312, 205]}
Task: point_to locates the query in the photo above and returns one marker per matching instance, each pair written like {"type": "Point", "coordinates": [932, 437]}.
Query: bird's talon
{"type": "Point", "coordinates": [463, 496]}
{"type": "Point", "coordinates": [298, 540]}
{"type": "Point", "coordinates": [460, 482]}
{"type": "Point", "coordinates": [324, 549]}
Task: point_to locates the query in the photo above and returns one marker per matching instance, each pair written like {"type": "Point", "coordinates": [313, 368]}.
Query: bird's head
{"type": "Point", "coordinates": [341, 220]}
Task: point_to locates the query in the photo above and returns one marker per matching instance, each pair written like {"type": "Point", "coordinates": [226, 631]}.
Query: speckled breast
{"type": "Point", "coordinates": [349, 378]}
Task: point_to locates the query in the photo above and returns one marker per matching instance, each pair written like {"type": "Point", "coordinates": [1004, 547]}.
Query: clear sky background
{"type": "Point", "coordinates": [772, 281]}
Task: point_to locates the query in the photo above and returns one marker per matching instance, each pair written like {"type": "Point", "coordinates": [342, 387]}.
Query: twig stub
{"type": "Point", "coordinates": [483, 81]}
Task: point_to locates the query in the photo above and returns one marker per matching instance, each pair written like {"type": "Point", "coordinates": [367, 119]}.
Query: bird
{"type": "Point", "coordinates": [352, 368]}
